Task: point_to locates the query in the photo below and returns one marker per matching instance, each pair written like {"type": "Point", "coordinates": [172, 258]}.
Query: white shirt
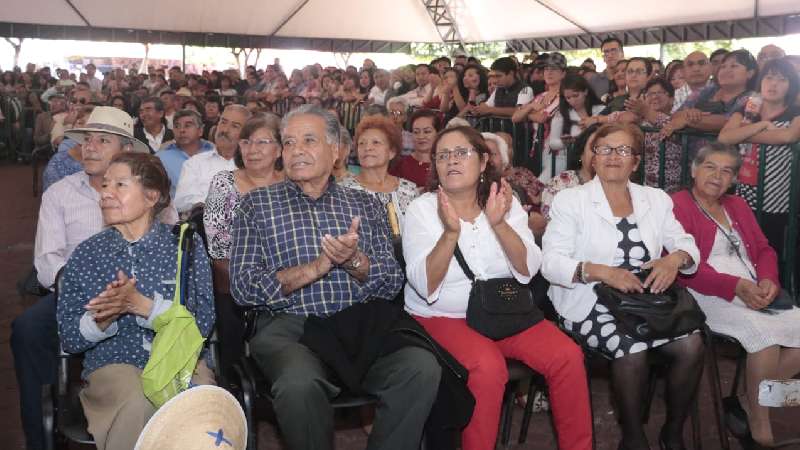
{"type": "Point", "coordinates": [524, 97]}
{"type": "Point", "coordinates": [415, 97]}
{"type": "Point", "coordinates": [169, 118]}
{"type": "Point", "coordinates": [155, 140]}
{"type": "Point", "coordinates": [422, 229]}
{"type": "Point", "coordinates": [95, 85]}
{"type": "Point", "coordinates": [377, 95]}
{"type": "Point", "coordinates": [557, 126]}
{"type": "Point", "coordinates": [196, 175]}
{"type": "Point", "coordinates": [69, 214]}
{"type": "Point", "coordinates": [582, 228]}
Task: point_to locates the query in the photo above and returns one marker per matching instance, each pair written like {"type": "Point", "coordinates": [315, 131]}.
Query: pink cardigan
{"type": "Point", "coordinates": [706, 280]}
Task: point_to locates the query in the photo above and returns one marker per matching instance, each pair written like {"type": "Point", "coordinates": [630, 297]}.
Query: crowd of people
{"type": "Point", "coordinates": [305, 180]}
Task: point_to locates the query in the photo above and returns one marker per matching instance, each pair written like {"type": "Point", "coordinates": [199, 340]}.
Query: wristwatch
{"type": "Point", "coordinates": [354, 263]}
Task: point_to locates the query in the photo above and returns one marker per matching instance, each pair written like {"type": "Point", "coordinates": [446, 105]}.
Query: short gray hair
{"type": "Point", "coordinates": [332, 127]}
{"type": "Point", "coordinates": [502, 147]}
{"type": "Point", "coordinates": [717, 147]}
{"type": "Point", "coordinates": [196, 118]}
{"type": "Point", "coordinates": [241, 108]}
{"type": "Point", "coordinates": [399, 100]}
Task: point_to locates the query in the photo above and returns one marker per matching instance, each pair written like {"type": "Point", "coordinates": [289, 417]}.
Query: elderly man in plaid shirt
{"type": "Point", "coordinates": [309, 246]}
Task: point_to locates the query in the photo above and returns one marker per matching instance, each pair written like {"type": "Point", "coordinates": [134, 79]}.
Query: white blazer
{"type": "Point", "coordinates": [582, 228]}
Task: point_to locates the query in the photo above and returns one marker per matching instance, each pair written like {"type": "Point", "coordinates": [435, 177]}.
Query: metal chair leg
{"type": "Point", "coordinates": [526, 416]}
{"type": "Point", "coordinates": [247, 400]}
{"type": "Point", "coordinates": [716, 389]}
{"type": "Point", "coordinates": [697, 441]}
{"type": "Point", "coordinates": [506, 413]}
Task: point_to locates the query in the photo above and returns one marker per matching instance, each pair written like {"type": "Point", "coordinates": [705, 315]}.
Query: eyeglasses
{"type": "Point", "coordinates": [397, 113]}
{"type": "Point", "coordinates": [259, 144]}
{"type": "Point", "coordinates": [458, 154]}
{"type": "Point", "coordinates": [636, 71]}
{"type": "Point", "coordinates": [621, 150]}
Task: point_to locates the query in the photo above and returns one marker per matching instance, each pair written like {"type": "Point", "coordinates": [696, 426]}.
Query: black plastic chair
{"type": "Point", "coordinates": [253, 385]}
{"type": "Point", "coordinates": [712, 341]}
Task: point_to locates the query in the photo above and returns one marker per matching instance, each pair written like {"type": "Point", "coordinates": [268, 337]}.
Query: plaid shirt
{"type": "Point", "coordinates": [279, 227]}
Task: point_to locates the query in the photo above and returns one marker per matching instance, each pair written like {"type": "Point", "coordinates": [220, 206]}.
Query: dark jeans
{"type": "Point", "coordinates": [34, 343]}
{"type": "Point", "coordinates": [405, 382]}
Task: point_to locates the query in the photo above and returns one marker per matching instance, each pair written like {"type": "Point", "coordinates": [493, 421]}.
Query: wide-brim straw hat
{"type": "Point", "coordinates": [107, 119]}
{"type": "Point", "coordinates": [199, 418]}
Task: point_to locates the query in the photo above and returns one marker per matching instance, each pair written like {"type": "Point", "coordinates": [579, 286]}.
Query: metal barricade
{"type": "Point", "coordinates": [788, 252]}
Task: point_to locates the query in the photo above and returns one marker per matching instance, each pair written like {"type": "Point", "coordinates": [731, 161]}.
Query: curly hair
{"type": "Point", "coordinates": [490, 174]}
{"type": "Point", "coordinates": [393, 134]}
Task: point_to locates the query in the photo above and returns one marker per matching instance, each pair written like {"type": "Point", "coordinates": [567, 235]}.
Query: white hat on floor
{"type": "Point", "coordinates": [200, 418]}
{"type": "Point", "coordinates": [107, 119]}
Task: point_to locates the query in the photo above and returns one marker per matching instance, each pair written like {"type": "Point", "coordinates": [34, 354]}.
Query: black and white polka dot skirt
{"type": "Point", "coordinates": [599, 331]}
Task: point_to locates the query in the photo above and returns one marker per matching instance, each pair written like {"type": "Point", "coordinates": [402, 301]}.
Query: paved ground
{"type": "Point", "coordinates": [17, 228]}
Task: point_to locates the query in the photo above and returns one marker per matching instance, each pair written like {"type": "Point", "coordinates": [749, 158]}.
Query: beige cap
{"type": "Point", "coordinates": [107, 119]}
{"type": "Point", "coordinates": [200, 418]}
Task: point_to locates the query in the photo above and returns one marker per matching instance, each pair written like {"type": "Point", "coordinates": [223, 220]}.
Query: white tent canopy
{"type": "Point", "coordinates": [385, 20]}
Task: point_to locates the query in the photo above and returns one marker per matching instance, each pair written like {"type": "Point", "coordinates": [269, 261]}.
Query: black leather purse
{"type": "Point", "coordinates": [648, 316]}
{"type": "Point", "coordinates": [498, 307]}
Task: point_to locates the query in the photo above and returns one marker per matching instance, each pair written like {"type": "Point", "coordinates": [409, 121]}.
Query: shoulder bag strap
{"type": "Point", "coordinates": [463, 263]}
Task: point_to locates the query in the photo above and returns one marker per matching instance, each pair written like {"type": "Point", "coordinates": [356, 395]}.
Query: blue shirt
{"type": "Point", "coordinates": [173, 158]}
{"type": "Point", "coordinates": [153, 260]}
{"type": "Point", "coordinates": [278, 227]}
{"type": "Point", "coordinates": [61, 164]}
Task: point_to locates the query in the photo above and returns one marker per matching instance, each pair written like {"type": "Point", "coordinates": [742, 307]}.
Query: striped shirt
{"type": "Point", "coordinates": [69, 214]}
{"type": "Point", "coordinates": [279, 227]}
{"type": "Point", "coordinates": [777, 173]}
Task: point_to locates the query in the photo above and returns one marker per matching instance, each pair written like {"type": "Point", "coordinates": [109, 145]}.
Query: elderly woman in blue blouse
{"type": "Point", "coordinates": [114, 286]}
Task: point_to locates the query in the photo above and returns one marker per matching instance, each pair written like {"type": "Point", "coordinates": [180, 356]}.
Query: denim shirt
{"type": "Point", "coordinates": [153, 261]}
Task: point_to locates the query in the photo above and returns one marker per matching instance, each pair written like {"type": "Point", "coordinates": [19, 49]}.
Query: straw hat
{"type": "Point", "coordinates": [107, 119]}
{"type": "Point", "coordinates": [200, 418]}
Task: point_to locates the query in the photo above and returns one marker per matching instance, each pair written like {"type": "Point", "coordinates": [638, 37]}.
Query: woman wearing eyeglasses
{"type": "Point", "coordinates": [737, 277]}
{"type": "Point", "coordinates": [470, 207]}
{"type": "Point", "coordinates": [605, 231]}
{"type": "Point", "coordinates": [258, 165]}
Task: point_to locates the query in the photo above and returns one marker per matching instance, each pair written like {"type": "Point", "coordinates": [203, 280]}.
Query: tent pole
{"type": "Point", "coordinates": [183, 58]}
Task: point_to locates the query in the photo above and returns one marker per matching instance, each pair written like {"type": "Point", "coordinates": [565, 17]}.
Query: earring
{"type": "Point", "coordinates": [482, 178]}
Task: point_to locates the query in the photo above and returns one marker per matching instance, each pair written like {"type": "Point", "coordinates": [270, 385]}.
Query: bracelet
{"type": "Point", "coordinates": [584, 274]}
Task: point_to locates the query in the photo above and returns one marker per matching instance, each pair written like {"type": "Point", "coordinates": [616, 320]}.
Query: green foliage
{"type": "Point", "coordinates": [680, 50]}
{"type": "Point", "coordinates": [486, 52]}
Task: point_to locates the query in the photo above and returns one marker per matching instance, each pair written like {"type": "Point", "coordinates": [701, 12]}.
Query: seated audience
{"type": "Point", "coordinates": [416, 167]}
{"type": "Point", "coordinates": [112, 323]}
{"type": "Point", "coordinates": [398, 108]}
{"type": "Point", "coordinates": [198, 171]}
{"type": "Point", "coordinates": [152, 126]}
{"type": "Point", "coordinates": [188, 129]}
{"type": "Point", "coordinates": [472, 208]}
{"type": "Point", "coordinates": [524, 183]}
{"type": "Point", "coordinates": [258, 164]}
{"type": "Point", "coordinates": [605, 231]}
{"type": "Point", "coordinates": [44, 120]}
{"type": "Point", "coordinates": [378, 142]}
{"type": "Point", "coordinates": [68, 215]}
{"type": "Point", "coordinates": [68, 159]}
{"type": "Point", "coordinates": [278, 261]}
{"type": "Point", "coordinates": [737, 277]}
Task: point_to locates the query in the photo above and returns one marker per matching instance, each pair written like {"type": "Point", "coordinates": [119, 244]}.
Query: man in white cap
{"type": "Point", "coordinates": [69, 214]}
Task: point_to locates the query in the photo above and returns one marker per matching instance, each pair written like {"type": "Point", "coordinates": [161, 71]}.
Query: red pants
{"type": "Point", "coordinates": [543, 348]}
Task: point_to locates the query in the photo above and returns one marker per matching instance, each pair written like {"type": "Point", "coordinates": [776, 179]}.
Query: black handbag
{"type": "Point", "coordinates": [649, 316]}
{"type": "Point", "coordinates": [498, 307]}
